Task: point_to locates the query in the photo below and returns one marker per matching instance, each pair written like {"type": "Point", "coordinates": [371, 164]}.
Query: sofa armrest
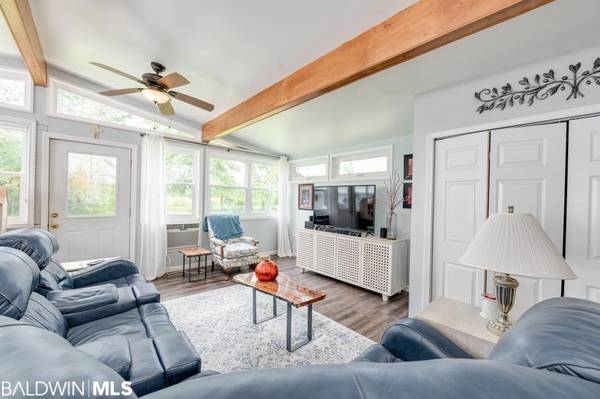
{"type": "Point", "coordinates": [249, 240]}
{"type": "Point", "coordinates": [216, 242]}
{"type": "Point", "coordinates": [83, 299]}
{"type": "Point", "coordinates": [108, 270]}
{"type": "Point", "coordinates": [177, 356]}
{"type": "Point", "coordinates": [413, 339]}
{"type": "Point", "coordinates": [145, 292]}
{"type": "Point", "coordinates": [125, 301]}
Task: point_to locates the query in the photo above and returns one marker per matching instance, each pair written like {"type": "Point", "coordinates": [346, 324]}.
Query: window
{"type": "Point", "coordinates": [74, 103]}
{"type": "Point", "coordinates": [16, 90]}
{"type": "Point", "coordinates": [91, 185]}
{"type": "Point", "coordinates": [371, 164]}
{"type": "Point", "coordinates": [16, 157]}
{"type": "Point", "coordinates": [242, 186]}
{"type": "Point", "coordinates": [307, 170]}
{"type": "Point", "coordinates": [181, 183]}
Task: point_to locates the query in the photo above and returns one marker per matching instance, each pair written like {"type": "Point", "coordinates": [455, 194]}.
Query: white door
{"type": "Point", "coordinates": [583, 209]}
{"type": "Point", "coordinates": [527, 171]}
{"type": "Point", "coordinates": [89, 200]}
{"type": "Point", "coordinates": [460, 208]}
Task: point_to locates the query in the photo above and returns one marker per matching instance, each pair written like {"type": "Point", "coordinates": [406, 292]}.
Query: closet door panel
{"type": "Point", "coordinates": [460, 208]}
{"type": "Point", "coordinates": [583, 209]}
{"type": "Point", "coordinates": [527, 171]}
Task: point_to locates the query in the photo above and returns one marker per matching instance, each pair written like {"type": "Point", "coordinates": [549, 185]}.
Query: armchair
{"type": "Point", "coordinates": [228, 244]}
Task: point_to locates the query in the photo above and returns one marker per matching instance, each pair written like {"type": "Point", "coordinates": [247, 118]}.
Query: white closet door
{"type": "Point", "coordinates": [527, 171]}
{"type": "Point", "coordinates": [460, 208]}
{"type": "Point", "coordinates": [583, 209]}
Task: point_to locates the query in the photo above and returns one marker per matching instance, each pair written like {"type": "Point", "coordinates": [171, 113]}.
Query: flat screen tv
{"type": "Point", "coordinates": [351, 207]}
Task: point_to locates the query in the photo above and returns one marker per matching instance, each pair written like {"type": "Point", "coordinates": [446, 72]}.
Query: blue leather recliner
{"type": "Point", "coordinates": [41, 245]}
{"type": "Point", "coordinates": [134, 342]}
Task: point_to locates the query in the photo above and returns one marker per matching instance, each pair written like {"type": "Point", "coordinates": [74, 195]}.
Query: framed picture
{"type": "Point", "coordinates": [407, 196]}
{"type": "Point", "coordinates": [408, 166]}
{"type": "Point", "coordinates": [306, 196]}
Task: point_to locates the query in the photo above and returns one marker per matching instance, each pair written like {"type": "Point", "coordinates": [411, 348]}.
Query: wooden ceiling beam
{"type": "Point", "coordinates": [420, 28]}
{"type": "Point", "coordinates": [17, 14]}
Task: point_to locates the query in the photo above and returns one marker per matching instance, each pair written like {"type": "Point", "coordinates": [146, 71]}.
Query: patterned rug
{"type": "Point", "coordinates": [219, 324]}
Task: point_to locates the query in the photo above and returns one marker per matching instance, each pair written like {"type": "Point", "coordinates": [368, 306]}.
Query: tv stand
{"type": "Point", "coordinates": [372, 263]}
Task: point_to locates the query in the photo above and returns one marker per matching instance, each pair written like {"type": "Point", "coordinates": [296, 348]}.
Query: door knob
{"type": "Point", "coordinates": [54, 226]}
{"type": "Point", "coordinates": [54, 214]}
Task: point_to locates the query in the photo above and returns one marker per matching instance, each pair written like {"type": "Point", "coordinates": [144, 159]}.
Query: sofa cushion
{"type": "Point", "coordinates": [41, 313]}
{"type": "Point", "coordinates": [38, 244]}
{"type": "Point", "coordinates": [54, 277]}
{"type": "Point", "coordinates": [19, 276]}
{"type": "Point", "coordinates": [238, 249]}
{"type": "Point", "coordinates": [125, 300]}
{"type": "Point", "coordinates": [128, 323]}
{"type": "Point", "coordinates": [559, 334]}
{"type": "Point", "coordinates": [146, 374]}
{"type": "Point", "coordinates": [81, 299]}
{"type": "Point", "coordinates": [113, 351]}
{"type": "Point", "coordinates": [156, 319]}
{"type": "Point", "coordinates": [177, 356]}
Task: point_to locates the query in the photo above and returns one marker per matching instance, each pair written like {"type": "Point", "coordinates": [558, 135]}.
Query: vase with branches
{"type": "Point", "coordinates": [393, 199]}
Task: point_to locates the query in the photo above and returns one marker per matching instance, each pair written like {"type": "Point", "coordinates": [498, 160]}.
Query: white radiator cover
{"type": "Point", "coordinates": [374, 264]}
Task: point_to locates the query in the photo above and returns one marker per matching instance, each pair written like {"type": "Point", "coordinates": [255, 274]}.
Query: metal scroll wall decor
{"type": "Point", "coordinates": [541, 88]}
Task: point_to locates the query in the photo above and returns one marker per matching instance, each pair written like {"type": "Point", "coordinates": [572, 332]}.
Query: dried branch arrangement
{"type": "Point", "coordinates": [393, 191]}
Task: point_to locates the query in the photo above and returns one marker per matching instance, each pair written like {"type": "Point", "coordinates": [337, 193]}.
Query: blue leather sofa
{"type": "Point", "coordinates": [97, 325]}
{"type": "Point", "coordinates": [41, 245]}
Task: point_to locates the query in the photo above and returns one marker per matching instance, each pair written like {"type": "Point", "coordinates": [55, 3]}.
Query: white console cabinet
{"type": "Point", "coordinates": [372, 263]}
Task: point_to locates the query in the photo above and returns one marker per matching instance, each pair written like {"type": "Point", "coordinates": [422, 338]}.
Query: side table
{"type": "Point", "coordinates": [195, 252]}
{"type": "Point", "coordinates": [461, 323]}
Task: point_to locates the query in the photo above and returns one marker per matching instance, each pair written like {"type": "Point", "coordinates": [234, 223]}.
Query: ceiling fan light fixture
{"type": "Point", "coordinates": [156, 96]}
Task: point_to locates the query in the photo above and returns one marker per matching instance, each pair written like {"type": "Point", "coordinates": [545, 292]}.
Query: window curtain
{"type": "Point", "coordinates": [153, 226]}
{"type": "Point", "coordinates": [284, 248]}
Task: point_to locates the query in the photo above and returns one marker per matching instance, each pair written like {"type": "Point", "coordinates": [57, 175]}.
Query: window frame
{"type": "Point", "coordinates": [27, 174]}
{"type": "Point", "coordinates": [196, 153]}
{"type": "Point", "coordinates": [296, 178]}
{"type": "Point", "coordinates": [55, 84]}
{"type": "Point", "coordinates": [248, 214]}
{"type": "Point", "coordinates": [22, 76]}
{"type": "Point", "coordinates": [336, 159]}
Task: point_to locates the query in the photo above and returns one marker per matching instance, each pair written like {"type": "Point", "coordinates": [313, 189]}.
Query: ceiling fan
{"type": "Point", "coordinates": [157, 88]}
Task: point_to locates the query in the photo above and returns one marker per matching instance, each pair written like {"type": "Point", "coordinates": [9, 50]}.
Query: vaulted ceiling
{"type": "Point", "coordinates": [232, 49]}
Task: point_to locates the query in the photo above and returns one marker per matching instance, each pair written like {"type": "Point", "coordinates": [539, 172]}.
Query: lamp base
{"type": "Point", "coordinates": [506, 289]}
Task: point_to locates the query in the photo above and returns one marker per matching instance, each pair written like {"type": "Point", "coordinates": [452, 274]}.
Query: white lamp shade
{"type": "Point", "coordinates": [514, 243]}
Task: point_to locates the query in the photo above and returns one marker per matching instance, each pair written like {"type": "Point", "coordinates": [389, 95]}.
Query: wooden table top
{"type": "Point", "coordinates": [195, 251]}
{"type": "Point", "coordinates": [283, 288]}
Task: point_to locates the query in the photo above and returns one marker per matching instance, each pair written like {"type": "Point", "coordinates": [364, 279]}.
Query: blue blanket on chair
{"type": "Point", "coordinates": [224, 227]}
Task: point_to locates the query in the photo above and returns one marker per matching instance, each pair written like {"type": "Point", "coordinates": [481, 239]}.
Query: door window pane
{"type": "Point", "coordinates": [91, 185]}
{"type": "Point", "coordinates": [227, 172]}
{"type": "Point", "coordinates": [13, 192]}
{"type": "Point", "coordinates": [227, 200]}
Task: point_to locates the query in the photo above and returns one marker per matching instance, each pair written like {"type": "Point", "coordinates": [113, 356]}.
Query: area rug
{"type": "Point", "coordinates": [219, 325]}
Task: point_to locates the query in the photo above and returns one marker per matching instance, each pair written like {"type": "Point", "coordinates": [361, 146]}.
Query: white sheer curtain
{"type": "Point", "coordinates": [153, 226]}
{"type": "Point", "coordinates": [284, 247]}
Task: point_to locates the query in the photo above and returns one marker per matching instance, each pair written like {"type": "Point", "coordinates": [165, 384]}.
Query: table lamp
{"type": "Point", "coordinates": [514, 243]}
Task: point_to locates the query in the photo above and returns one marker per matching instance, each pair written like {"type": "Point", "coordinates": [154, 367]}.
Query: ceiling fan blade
{"type": "Point", "coordinates": [118, 92]}
{"type": "Point", "coordinates": [196, 102]}
{"type": "Point", "coordinates": [166, 108]}
{"type": "Point", "coordinates": [173, 80]}
{"type": "Point", "coordinates": [113, 70]}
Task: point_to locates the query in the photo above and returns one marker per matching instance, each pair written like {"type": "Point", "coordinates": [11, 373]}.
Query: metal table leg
{"type": "Point", "coordinates": [183, 268]}
{"type": "Point", "coordinates": [309, 329]}
{"type": "Point", "coordinates": [254, 318]}
{"type": "Point", "coordinates": [205, 266]}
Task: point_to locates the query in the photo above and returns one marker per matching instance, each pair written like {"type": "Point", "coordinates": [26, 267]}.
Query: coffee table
{"type": "Point", "coordinates": [289, 291]}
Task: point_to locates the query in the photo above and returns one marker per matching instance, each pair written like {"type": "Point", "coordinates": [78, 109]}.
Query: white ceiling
{"type": "Point", "coordinates": [381, 106]}
{"type": "Point", "coordinates": [229, 50]}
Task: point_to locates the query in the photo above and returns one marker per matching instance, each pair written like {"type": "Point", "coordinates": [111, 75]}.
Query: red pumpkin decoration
{"type": "Point", "coordinates": [266, 270]}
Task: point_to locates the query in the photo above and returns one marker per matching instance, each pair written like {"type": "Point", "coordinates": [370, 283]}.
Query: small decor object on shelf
{"type": "Point", "coordinates": [408, 166]}
{"type": "Point", "coordinates": [266, 270]}
{"type": "Point", "coordinates": [407, 196]}
{"type": "Point", "coordinates": [383, 232]}
{"type": "Point", "coordinates": [541, 88]}
{"type": "Point", "coordinates": [393, 199]}
{"type": "Point", "coordinates": [489, 307]}
{"type": "Point", "coordinates": [306, 197]}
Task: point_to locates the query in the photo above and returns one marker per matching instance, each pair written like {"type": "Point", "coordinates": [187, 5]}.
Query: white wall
{"type": "Point", "coordinates": [263, 229]}
{"type": "Point", "coordinates": [453, 108]}
{"type": "Point", "coordinates": [401, 145]}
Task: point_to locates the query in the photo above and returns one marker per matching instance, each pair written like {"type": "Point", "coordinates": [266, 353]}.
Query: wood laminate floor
{"type": "Point", "coordinates": [361, 310]}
